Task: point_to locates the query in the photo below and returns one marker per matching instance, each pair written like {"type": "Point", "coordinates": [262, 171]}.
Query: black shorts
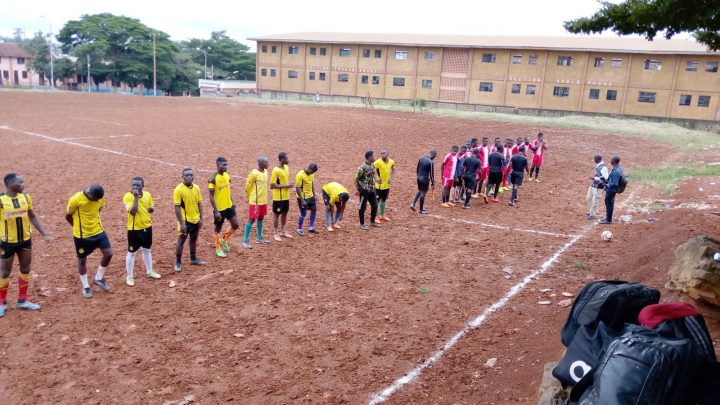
{"type": "Point", "coordinates": [326, 198]}
{"type": "Point", "coordinates": [516, 178]}
{"type": "Point", "coordinates": [495, 178]}
{"type": "Point", "coordinates": [470, 182]}
{"type": "Point", "coordinates": [139, 238]}
{"type": "Point", "coordinates": [8, 250]}
{"type": "Point", "coordinates": [225, 214]}
{"type": "Point", "coordinates": [382, 194]}
{"type": "Point", "coordinates": [281, 207]}
{"type": "Point", "coordinates": [309, 203]}
{"type": "Point", "coordinates": [423, 184]}
{"type": "Point", "coordinates": [85, 246]}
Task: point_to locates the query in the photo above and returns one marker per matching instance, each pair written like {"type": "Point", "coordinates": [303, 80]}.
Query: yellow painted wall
{"type": "Point", "coordinates": [430, 67]}
{"type": "Point", "coordinates": [268, 82]}
{"type": "Point", "coordinates": [296, 85]}
{"type": "Point", "coordinates": [569, 103]}
{"type": "Point", "coordinates": [652, 79]}
{"type": "Point", "coordinates": [431, 94]}
{"type": "Point", "coordinates": [483, 97]}
{"type": "Point", "coordinates": [489, 71]}
{"type": "Point", "coordinates": [343, 88]}
{"type": "Point", "coordinates": [658, 109]}
{"type": "Point", "coordinates": [397, 92]}
{"type": "Point", "coordinates": [693, 111]}
{"type": "Point", "coordinates": [372, 64]}
{"type": "Point", "coordinates": [524, 71]}
{"type": "Point", "coordinates": [269, 57]}
{"type": "Point", "coordinates": [401, 66]}
{"type": "Point", "coordinates": [607, 75]}
{"type": "Point", "coordinates": [572, 74]}
{"type": "Point", "coordinates": [699, 80]}
{"type": "Point", "coordinates": [602, 104]}
{"type": "Point", "coordinates": [317, 85]}
{"type": "Point", "coordinates": [522, 99]}
{"type": "Point", "coordinates": [344, 62]}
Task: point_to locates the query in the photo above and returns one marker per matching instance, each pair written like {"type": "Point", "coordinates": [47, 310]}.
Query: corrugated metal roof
{"type": "Point", "coordinates": [13, 51]}
{"type": "Point", "coordinates": [569, 43]}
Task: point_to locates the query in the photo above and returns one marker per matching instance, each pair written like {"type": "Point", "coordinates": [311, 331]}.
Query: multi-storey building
{"type": "Point", "coordinates": [630, 76]}
{"type": "Point", "coordinates": [15, 67]}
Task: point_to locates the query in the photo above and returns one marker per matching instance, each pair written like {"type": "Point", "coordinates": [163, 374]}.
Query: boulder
{"type": "Point", "coordinates": [551, 390]}
{"type": "Point", "coordinates": [695, 272]}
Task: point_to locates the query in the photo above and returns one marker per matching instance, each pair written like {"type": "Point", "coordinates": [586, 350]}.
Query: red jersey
{"type": "Point", "coordinates": [539, 148]}
{"type": "Point", "coordinates": [483, 154]}
{"type": "Point", "coordinates": [449, 165]}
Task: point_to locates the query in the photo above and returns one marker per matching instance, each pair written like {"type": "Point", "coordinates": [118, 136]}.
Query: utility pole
{"type": "Point", "coordinates": [88, 78]}
{"type": "Point", "coordinates": [204, 53]}
{"type": "Point", "coordinates": [154, 69]}
{"type": "Point", "coordinates": [52, 74]}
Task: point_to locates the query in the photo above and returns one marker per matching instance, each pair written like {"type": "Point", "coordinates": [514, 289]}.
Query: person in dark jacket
{"type": "Point", "coordinates": [611, 189]}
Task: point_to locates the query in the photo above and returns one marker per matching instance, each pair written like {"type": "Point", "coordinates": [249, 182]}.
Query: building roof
{"type": "Point", "coordinates": [568, 43]}
{"type": "Point", "coordinates": [13, 51]}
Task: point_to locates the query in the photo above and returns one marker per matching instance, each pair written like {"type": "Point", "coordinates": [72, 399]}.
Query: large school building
{"type": "Point", "coordinates": [627, 76]}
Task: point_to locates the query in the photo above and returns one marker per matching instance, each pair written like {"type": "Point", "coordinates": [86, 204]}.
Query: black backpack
{"type": "Point", "coordinates": [583, 353]}
{"type": "Point", "coordinates": [622, 183]}
{"type": "Point", "coordinates": [613, 302]}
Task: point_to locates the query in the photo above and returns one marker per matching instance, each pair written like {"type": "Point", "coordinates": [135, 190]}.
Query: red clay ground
{"type": "Point", "coordinates": [326, 319]}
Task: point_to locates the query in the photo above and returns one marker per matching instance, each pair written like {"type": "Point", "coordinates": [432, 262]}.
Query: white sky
{"type": "Point", "coordinates": [243, 19]}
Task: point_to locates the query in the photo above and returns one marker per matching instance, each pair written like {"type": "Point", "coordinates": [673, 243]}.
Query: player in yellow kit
{"type": "Point", "coordinates": [335, 196]}
{"type": "Point", "coordinates": [256, 192]}
{"type": "Point", "coordinates": [280, 185]}
{"type": "Point", "coordinates": [305, 190]}
{"type": "Point", "coordinates": [187, 200]}
{"type": "Point", "coordinates": [83, 213]}
{"type": "Point", "coordinates": [16, 215]}
{"type": "Point", "coordinates": [139, 205]}
{"type": "Point", "coordinates": [223, 207]}
{"type": "Point", "coordinates": [385, 169]}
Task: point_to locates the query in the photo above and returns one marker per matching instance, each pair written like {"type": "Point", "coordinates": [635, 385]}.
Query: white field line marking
{"type": "Point", "coordinates": [96, 137]}
{"type": "Point", "coordinates": [100, 121]}
{"type": "Point", "coordinates": [534, 231]}
{"type": "Point", "coordinates": [383, 395]}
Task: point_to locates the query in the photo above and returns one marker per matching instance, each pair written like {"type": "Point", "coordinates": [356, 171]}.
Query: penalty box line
{"type": "Point", "coordinates": [507, 228]}
{"type": "Point", "coordinates": [384, 395]}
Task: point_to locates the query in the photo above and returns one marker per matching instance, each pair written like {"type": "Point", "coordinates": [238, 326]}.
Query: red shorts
{"type": "Point", "coordinates": [506, 170]}
{"type": "Point", "coordinates": [447, 182]}
{"type": "Point", "coordinates": [257, 211]}
{"type": "Point", "coordinates": [484, 173]}
{"type": "Point", "coordinates": [537, 160]}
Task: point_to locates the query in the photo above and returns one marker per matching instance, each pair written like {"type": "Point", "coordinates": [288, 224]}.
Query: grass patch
{"type": "Point", "coordinates": [423, 290]}
{"type": "Point", "coordinates": [580, 265]}
{"type": "Point", "coordinates": [666, 178]}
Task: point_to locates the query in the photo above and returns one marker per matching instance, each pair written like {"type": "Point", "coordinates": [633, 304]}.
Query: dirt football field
{"type": "Point", "coordinates": [410, 313]}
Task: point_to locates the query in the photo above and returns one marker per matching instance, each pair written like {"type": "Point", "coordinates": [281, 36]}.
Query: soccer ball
{"type": "Point", "coordinates": [606, 236]}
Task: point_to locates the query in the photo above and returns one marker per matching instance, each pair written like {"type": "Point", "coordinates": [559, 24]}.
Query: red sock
{"type": "Point", "coordinates": [4, 282]}
{"type": "Point", "coordinates": [24, 283]}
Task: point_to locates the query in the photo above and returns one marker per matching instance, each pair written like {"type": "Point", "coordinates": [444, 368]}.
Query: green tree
{"type": "Point", "coordinates": [64, 68]}
{"type": "Point", "coordinates": [38, 47]}
{"type": "Point", "coordinates": [229, 59]}
{"type": "Point", "coordinates": [649, 17]}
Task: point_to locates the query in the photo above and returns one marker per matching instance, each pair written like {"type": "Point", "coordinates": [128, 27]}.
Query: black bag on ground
{"type": "Point", "coordinates": [613, 302]}
{"type": "Point", "coordinates": [584, 352]}
{"type": "Point", "coordinates": [705, 390]}
{"type": "Point", "coordinates": [640, 367]}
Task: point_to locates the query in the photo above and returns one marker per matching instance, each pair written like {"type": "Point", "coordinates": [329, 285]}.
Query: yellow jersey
{"type": "Point", "coordinates": [86, 215]}
{"type": "Point", "coordinates": [141, 220]}
{"type": "Point", "coordinates": [188, 198]}
{"type": "Point", "coordinates": [384, 169]}
{"type": "Point", "coordinates": [14, 220]}
{"type": "Point", "coordinates": [334, 190]}
{"type": "Point", "coordinates": [256, 187]}
{"type": "Point", "coordinates": [305, 182]}
{"type": "Point", "coordinates": [220, 183]}
{"type": "Point", "coordinates": [280, 175]}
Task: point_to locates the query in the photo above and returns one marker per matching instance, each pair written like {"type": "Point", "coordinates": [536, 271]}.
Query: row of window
{"type": "Point", "coordinates": [6, 74]}
{"type": "Point", "coordinates": [344, 78]}
{"type": "Point", "coordinates": [20, 61]}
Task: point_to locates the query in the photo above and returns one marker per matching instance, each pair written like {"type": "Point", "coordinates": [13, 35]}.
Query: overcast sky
{"type": "Point", "coordinates": [243, 19]}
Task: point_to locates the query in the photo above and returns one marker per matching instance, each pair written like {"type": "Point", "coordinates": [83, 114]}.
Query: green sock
{"type": "Point", "coordinates": [248, 228]}
{"type": "Point", "coordinates": [260, 226]}
{"type": "Point", "coordinates": [382, 208]}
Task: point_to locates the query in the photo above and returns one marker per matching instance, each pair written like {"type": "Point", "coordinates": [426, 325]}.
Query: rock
{"type": "Point", "coordinates": [507, 270]}
{"type": "Point", "coordinates": [172, 284]}
{"type": "Point", "coordinates": [567, 294]}
{"type": "Point", "coordinates": [544, 302]}
{"type": "Point", "coordinates": [551, 391]}
{"type": "Point", "coordinates": [507, 277]}
{"type": "Point", "coordinates": [565, 303]}
{"type": "Point", "coordinates": [238, 335]}
{"type": "Point", "coordinates": [545, 290]}
{"type": "Point", "coordinates": [625, 218]}
{"type": "Point", "coordinates": [491, 362]}
{"type": "Point", "coordinates": [644, 211]}
{"type": "Point", "coordinates": [695, 272]}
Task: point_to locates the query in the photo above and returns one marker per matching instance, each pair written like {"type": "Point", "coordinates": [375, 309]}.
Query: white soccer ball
{"type": "Point", "coordinates": [607, 236]}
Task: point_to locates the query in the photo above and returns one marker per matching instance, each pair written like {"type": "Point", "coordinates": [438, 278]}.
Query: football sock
{"type": "Point", "coordinates": [147, 259]}
{"type": "Point", "coordinates": [311, 225]}
{"type": "Point", "coordinates": [23, 283]}
{"type": "Point", "coordinates": [382, 208]}
{"type": "Point", "coordinates": [468, 196]}
{"type": "Point", "coordinates": [100, 273]}
{"type": "Point", "coordinates": [417, 197]}
{"type": "Point", "coordinates": [248, 228]}
{"type": "Point", "coordinates": [178, 259]}
{"type": "Point", "coordinates": [537, 172]}
{"type": "Point", "coordinates": [328, 221]}
{"type": "Point", "coordinates": [260, 229]}
{"type": "Point", "coordinates": [84, 281]}
{"type": "Point", "coordinates": [301, 219]}
{"type": "Point", "coordinates": [129, 263]}
{"type": "Point", "coordinates": [514, 195]}
{"type": "Point", "coordinates": [4, 282]}
{"type": "Point", "coordinates": [228, 234]}
{"type": "Point", "coordinates": [216, 241]}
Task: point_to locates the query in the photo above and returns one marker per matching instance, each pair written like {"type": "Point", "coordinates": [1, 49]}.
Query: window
{"type": "Point", "coordinates": [533, 60]}
{"type": "Point", "coordinates": [345, 52]}
{"type": "Point", "coordinates": [364, 78]}
{"type": "Point", "coordinates": [427, 84]}
{"type": "Point", "coordinates": [704, 101]}
{"type": "Point", "coordinates": [323, 51]}
{"type": "Point", "coordinates": [515, 88]}
{"type": "Point", "coordinates": [486, 87]}
{"type": "Point", "coordinates": [691, 66]}
{"type": "Point", "coordinates": [594, 94]}
{"type": "Point", "coordinates": [343, 77]}
{"type": "Point", "coordinates": [401, 55]}
{"type": "Point", "coordinates": [611, 95]}
{"type": "Point", "coordinates": [530, 89]}
{"type": "Point", "coordinates": [517, 59]}
{"type": "Point", "coordinates": [429, 55]}
{"type": "Point", "coordinates": [376, 80]}
{"type": "Point", "coordinates": [293, 50]}
{"type": "Point", "coordinates": [313, 50]}
{"type": "Point", "coordinates": [599, 62]}
{"type": "Point", "coordinates": [311, 76]}
{"type": "Point", "coordinates": [263, 72]}
{"type": "Point", "coordinates": [24, 74]}
{"type": "Point", "coordinates": [652, 64]}
{"type": "Point", "coordinates": [565, 60]}
{"type": "Point", "coordinates": [273, 49]}
{"type": "Point", "coordinates": [21, 61]}
{"type": "Point", "coordinates": [264, 48]}
{"type": "Point", "coordinates": [685, 99]}
{"type": "Point", "coordinates": [646, 97]}
{"type": "Point", "coordinates": [273, 73]}
{"type": "Point", "coordinates": [399, 81]}
{"type": "Point", "coordinates": [711, 67]}
{"type": "Point", "coordinates": [366, 53]}
{"type": "Point", "coordinates": [292, 74]}
{"type": "Point", "coordinates": [488, 58]}
{"type": "Point", "coordinates": [321, 76]}
{"type": "Point", "coordinates": [561, 91]}
{"type": "Point", "coordinates": [616, 62]}
{"type": "Point", "coordinates": [378, 53]}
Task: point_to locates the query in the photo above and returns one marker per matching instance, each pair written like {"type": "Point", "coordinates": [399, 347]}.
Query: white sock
{"type": "Point", "coordinates": [100, 273]}
{"type": "Point", "coordinates": [129, 263]}
{"type": "Point", "coordinates": [147, 259]}
{"type": "Point", "coordinates": [84, 281]}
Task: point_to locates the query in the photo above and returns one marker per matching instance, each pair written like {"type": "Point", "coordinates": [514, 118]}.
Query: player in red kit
{"type": "Point", "coordinates": [539, 146]}
{"type": "Point", "coordinates": [447, 169]}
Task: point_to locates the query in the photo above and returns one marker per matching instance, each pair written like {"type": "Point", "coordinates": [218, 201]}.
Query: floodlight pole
{"type": "Point", "coordinates": [204, 53]}
{"type": "Point", "coordinates": [52, 73]}
{"type": "Point", "coordinates": [154, 69]}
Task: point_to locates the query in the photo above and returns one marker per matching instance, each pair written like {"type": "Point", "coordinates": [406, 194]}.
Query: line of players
{"type": "Point", "coordinates": [372, 181]}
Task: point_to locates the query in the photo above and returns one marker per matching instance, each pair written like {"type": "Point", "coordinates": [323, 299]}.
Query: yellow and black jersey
{"type": "Point", "coordinates": [15, 225]}
{"type": "Point", "coordinates": [220, 184]}
{"type": "Point", "coordinates": [86, 215]}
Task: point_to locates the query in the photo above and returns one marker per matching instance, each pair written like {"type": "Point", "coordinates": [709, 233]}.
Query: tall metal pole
{"type": "Point", "coordinates": [88, 79]}
{"type": "Point", "coordinates": [154, 69]}
{"type": "Point", "coordinates": [52, 74]}
{"type": "Point", "coordinates": [205, 77]}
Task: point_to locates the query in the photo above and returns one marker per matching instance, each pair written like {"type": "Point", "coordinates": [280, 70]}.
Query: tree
{"type": "Point", "coordinates": [38, 47]}
{"type": "Point", "coordinates": [648, 17]}
{"type": "Point", "coordinates": [229, 58]}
